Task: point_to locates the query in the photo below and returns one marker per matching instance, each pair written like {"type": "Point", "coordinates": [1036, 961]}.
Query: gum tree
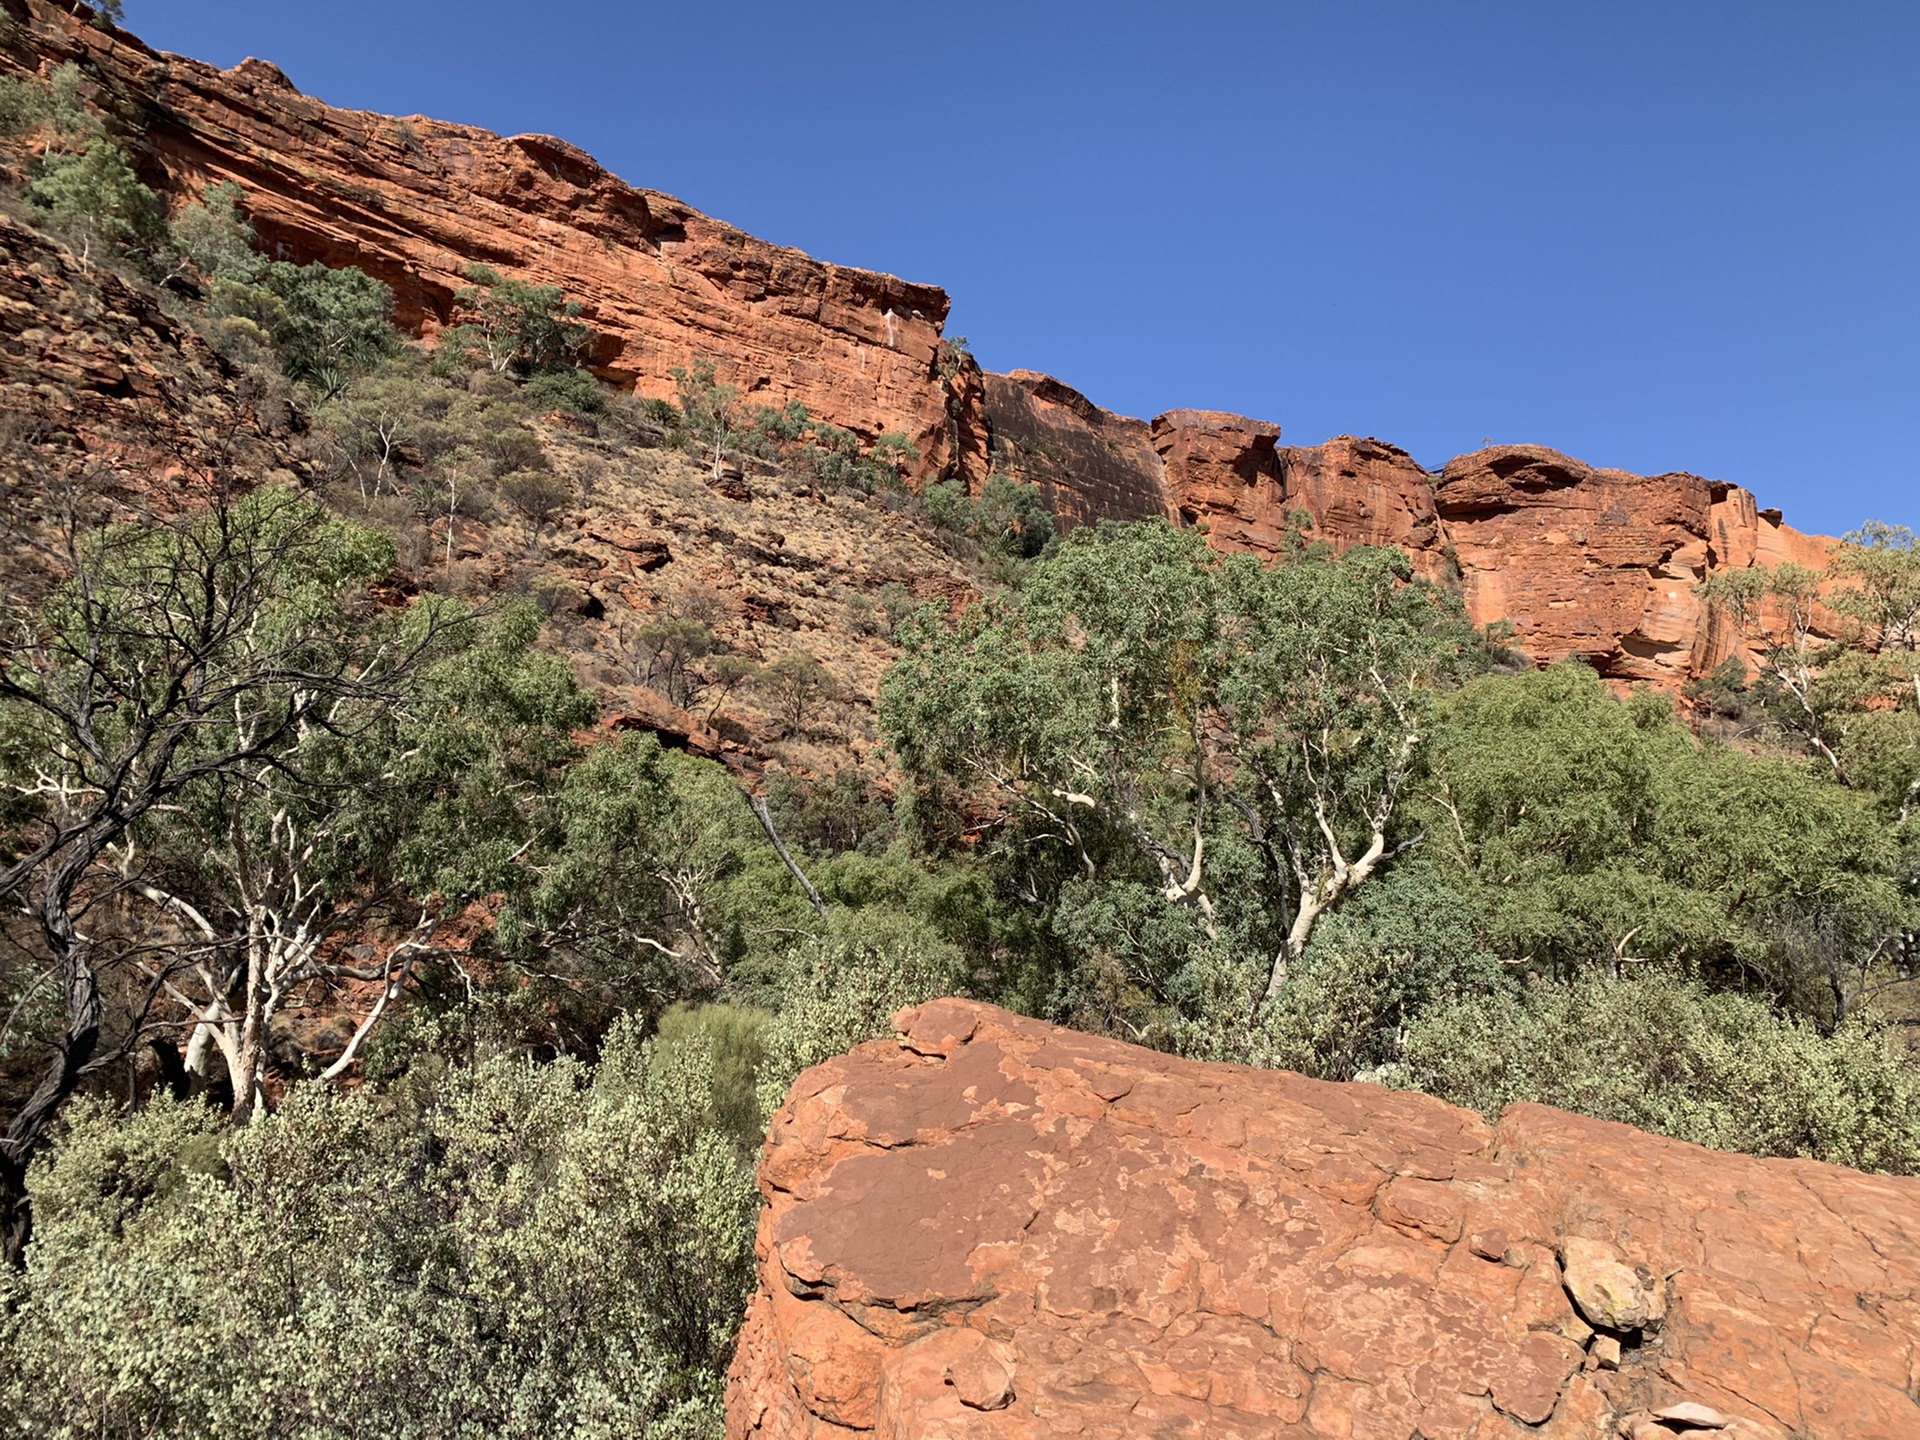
{"type": "Point", "coordinates": [1143, 701]}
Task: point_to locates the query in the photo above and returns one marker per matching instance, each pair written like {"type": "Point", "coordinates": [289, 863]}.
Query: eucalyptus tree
{"type": "Point", "coordinates": [514, 326]}
{"type": "Point", "coordinates": [173, 656]}
{"type": "Point", "coordinates": [1837, 654]}
{"type": "Point", "coordinates": [333, 864]}
{"type": "Point", "coordinates": [1143, 704]}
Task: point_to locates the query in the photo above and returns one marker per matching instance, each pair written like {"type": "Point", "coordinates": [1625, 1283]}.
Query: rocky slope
{"type": "Point", "coordinates": [415, 201]}
{"type": "Point", "coordinates": [109, 405]}
{"type": "Point", "coordinates": [992, 1227]}
{"type": "Point", "coordinates": [1596, 563]}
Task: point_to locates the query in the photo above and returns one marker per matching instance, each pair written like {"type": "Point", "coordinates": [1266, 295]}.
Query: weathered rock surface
{"type": "Point", "coordinates": [1600, 564]}
{"type": "Point", "coordinates": [107, 403]}
{"type": "Point", "coordinates": [992, 1227]}
{"type": "Point", "coordinates": [1604, 564]}
{"type": "Point", "coordinates": [1089, 463]}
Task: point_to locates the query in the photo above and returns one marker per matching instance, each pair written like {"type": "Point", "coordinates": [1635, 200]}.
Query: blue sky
{"type": "Point", "coordinates": [1660, 236]}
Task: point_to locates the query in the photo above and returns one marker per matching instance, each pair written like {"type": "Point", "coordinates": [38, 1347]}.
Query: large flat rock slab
{"type": "Point", "coordinates": [994, 1227]}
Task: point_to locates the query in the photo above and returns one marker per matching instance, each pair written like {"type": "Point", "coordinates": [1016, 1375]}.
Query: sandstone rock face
{"type": "Point", "coordinates": [992, 1227]}
{"type": "Point", "coordinates": [415, 201]}
{"type": "Point", "coordinates": [1233, 475]}
{"type": "Point", "coordinates": [1603, 564]}
{"type": "Point", "coordinates": [1594, 563]}
{"type": "Point", "coordinates": [1089, 463]}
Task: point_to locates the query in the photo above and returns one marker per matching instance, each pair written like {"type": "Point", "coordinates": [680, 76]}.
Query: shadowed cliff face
{"type": "Point", "coordinates": [1120, 1243]}
{"type": "Point", "coordinates": [1599, 564]}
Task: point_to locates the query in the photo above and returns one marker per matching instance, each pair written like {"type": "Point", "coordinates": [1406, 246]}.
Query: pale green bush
{"type": "Point", "coordinates": [515, 1250]}
{"type": "Point", "coordinates": [844, 987]}
{"type": "Point", "coordinates": [1663, 1053]}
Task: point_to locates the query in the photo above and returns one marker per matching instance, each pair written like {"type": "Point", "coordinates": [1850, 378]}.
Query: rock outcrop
{"type": "Point", "coordinates": [992, 1227]}
{"type": "Point", "coordinates": [1602, 565]}
{"type": "Point", "coordinates": [1089, 463]}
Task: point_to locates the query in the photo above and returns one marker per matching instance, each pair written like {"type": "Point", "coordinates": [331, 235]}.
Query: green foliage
{"type": "Point", "coordinates": [667, 651]}
{"type": "Point", "coordinates": [509, 1251]}
{"type": "Point", "coordinates": [1669, 1055]}
{"type": "Point", "coordinates": [709, 410]}
{"type": "Point", "coordinates": [1401, 948]}
{"type": "Point", "coordinates": [796, 686]}
{"type": "Point", "coordinates": [1839, 658]}
{"type": "Point", "coordinates": [573, 390]}
{"type": "Point", "coordinates": [329, 326]}
{"type": "Point", "coordinates": [953, 356]}
{"type": "Point", "coordinates": [401, 429]}
{"type": "Point", "coordinates": [1235, 736]}
{"type": "Point", "coordinates": [538, 495]}
{"type": "Point", "coordinates": [1590, 832]}
{"type": "Point", "coordinates": [614, 897]}
{"type": "Point", "coordinates": [516, 327]}
{"type": "Point", "coordinates": [832, 815]}
{"type": "Point", "coordinates": [95, 197]}
{"type": "Point", "coordinates": [55, 105]}
{"type": "Point", "coordinates": [734, 1036]}
{"type": "Point", "coordinates": [844, 987]}
{"type": "Point", "coordinates": [214, 238]}
{"type": "Point", "coordinates": [834, 457]}
{"type": "Point", "coordinates": [1007, 517]}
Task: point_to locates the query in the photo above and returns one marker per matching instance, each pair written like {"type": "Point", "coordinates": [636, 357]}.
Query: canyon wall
{"type": "Point", "coordinates": [1602, 565]}
{"type": "Point", "coordinates": [414, 201]}
{"type": "Point", "coordinates": [1599, 564]}
{"type": "Point", "coordinates": [1123, 1244]}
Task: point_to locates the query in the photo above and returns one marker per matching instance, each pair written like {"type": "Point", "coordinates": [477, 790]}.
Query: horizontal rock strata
{"type": "Point", "coordinates": [992, 1227]}
{"type": "Point", "coordinates": [415, 201]}
{"type": "Point", "coordinates": [1598, 564]}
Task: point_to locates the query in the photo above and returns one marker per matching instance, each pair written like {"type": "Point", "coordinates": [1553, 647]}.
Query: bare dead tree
{"type": "Point", "coordinates": [170, 654]}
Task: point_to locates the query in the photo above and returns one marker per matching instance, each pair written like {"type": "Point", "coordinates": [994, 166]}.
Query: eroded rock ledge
{"type": "Point", "coordinates": [993, 1227]}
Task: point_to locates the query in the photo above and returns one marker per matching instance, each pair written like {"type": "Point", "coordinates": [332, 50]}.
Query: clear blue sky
{"type": "Point", "coordinates": [1668, 235]}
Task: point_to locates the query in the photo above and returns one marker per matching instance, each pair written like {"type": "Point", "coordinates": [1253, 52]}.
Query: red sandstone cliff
{"type": "Point", "coordinates": [415, 201]}
{"type": "Point", "coordinates": [998, 1228]}
{"type": "Point", "coordinates": [1595, 563]}
{"type": "Point", "coordinates": [1599, 564]}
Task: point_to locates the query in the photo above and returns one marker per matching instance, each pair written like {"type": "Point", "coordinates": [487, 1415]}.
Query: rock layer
{"type": "Point", "coordinates": [992, 1227]}
{"type": "Point", "coordinates": [415, 201]}
{"type": "Point", "coordinates": [1602, 565]}
{"type": "Point", "coordinates": [1592, 563]}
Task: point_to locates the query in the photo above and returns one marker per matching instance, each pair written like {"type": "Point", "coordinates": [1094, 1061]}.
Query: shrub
{"type": "Point", "coordinates": [328, 325]}
{"type": "Point", "coordinates": [573, 390]}
{"type": "Point", "coordinates": [844, 986]}
{"type": "Point", "coordinates": [512, 1251]}
{"type": "Point", "coordinates": [1668, 1055]}
{"type": "Point", "coordinates": [98, 200]}
{"type": "Point", "coordinates": [214, 238]}
{"type": "Point", "coordinates": [515, 326]}
{"type": "Point", "coordinates": [796, 685]}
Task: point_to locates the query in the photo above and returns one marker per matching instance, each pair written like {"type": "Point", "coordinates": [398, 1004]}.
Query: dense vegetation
{"type": "Point", "coordinates": [386, 1050]}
